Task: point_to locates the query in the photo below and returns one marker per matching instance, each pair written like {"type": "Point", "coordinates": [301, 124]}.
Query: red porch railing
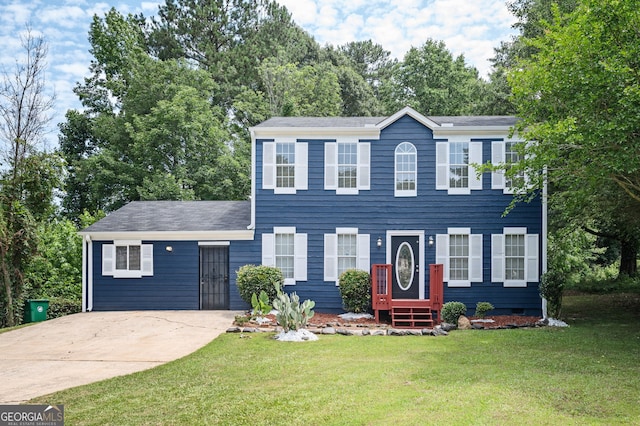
{"type": "Point", "coordinates": [410, 313]}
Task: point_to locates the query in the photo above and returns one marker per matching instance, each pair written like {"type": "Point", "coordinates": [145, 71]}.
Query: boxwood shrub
{"type": "Point", "coordinates": [451, 311]}
{"type": "Point", "coordinates": [355, 290]}
{"type": "Point", "coordinates": [254, 279]}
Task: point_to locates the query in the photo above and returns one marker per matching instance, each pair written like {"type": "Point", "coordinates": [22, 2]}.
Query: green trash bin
{"type": "Point", "coordinates": [35, 310]}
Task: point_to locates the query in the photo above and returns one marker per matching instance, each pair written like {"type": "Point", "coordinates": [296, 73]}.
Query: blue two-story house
{"type": "Point", "coordinates": [331, 194]}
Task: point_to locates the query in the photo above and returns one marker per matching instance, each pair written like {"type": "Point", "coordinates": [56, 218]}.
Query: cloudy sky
{"type": "Point", "coordinates": [469, 27]}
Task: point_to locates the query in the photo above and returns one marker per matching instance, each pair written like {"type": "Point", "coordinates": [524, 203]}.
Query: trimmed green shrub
{"type": "Point", "coordinates": [451, 311]}
{"type": "Point", "coordinates": [291, 314]}
{"type": "Point", "coordinates": [355, 289]}
{"type": "Point", "coordinates": [254, 279]}
{"type": "Point", "coordinates": [59, 307]}
{"type": "Point", "coordinates": [482, 308]}
{"type": "Point", "coordinates": [551, 288]}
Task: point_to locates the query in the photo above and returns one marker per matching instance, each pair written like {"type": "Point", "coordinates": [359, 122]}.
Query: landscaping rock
{"type": "Point", "coordinates": [378, 333]}
{"type": "Point", "coordinates": [328, 330]}
{"type": "Point", "coordinates": [233, 330]}
{"type": "Point", "coordinates": [464, 323]}
{"type": "Point", "coordinates": [365, 332]}
{"type": "Point", "coordinates": [414, 332]}
{"type": "Point", "coordinates": [445, 326]}
{"type": "Point", "coordinates": [396, 332]}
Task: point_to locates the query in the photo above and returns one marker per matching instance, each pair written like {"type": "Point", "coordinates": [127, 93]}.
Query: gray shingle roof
{"type": "Point", "coordinates": [176, 216]}
{"type": "Point", "coordinates": [342, 122]}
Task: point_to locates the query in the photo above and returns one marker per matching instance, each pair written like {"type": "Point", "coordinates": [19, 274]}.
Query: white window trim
{"type": "Point", "coordinates": [405, 192]}
{"type": "Point", "coordinates": [363, 162]}
{"type": "Point", "coordinates": [443, 169]}
{"type": "Point", "coordinates": [475, 256]}
{"type": "Point", "coordinates": [270, 169]}
{"type": "Point", "coordinates": [331, 253]}
{"type": "Point", "coordinates": [109, 260]}
{"type": "Point", "coordinates": [531, 263]}
{"type": "Point", "coordinates": [300, 252]}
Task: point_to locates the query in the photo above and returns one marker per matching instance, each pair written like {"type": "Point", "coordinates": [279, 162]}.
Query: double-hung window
{"type": "Point", "coordinates": [405, 170]}
{"type": "Point", "coordinates": [506, 154]}
{"type": "Point", "coordinates": [460, 252]}
{"type": "Point", "coordinates": [454, 166]}
{"type": "Point", "coordinates": [287, 250]}
{"type": "Point", "coordinates": [347, 166]}
{"type": "Point", "coordinates": [127, 259]}
{"type": "Point", "coordinates": [514, 257]}
{"type": "Point", "coordinates": [344, 250]}
{"type": "Point", "coordinates": [285, 166]}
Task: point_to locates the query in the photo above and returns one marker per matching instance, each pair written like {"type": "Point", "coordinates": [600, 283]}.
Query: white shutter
{"type": "Point", "coordinates": [268, 165]}
{"type": "Point", "coordinates": [363, 252]}
{"type": "Point", "coordinates": [300, 258]}
{"type": "Point", "coordinates": [497, 158]}
{"type": "Point", "coordinates": [532, 247]}
{"type": "Point", "coordinates": [146, 254]}
{"type": "Point", "coordinates": [442, 165]}
{"type": "Point", "coordinates": [331, 257]}
{"type": "Point", "coordinates": [364, 166]}
{"type": "Point", "coordinates": [268, 248]}
{"type": "Point", "coordinates": [302, 166]}
{"type": "Point", "coordinates": [330, 165]}
{"type": "Point", "coordinates": [475, 258]}
{"type": "Point", "coordinates": [497, 258]}
{"type": "Point", "coordinates": [442, 254]}
{"type": "Point", "coordinates": [475, 157]}
{"type": "Point", "coordinates": [108, 259]}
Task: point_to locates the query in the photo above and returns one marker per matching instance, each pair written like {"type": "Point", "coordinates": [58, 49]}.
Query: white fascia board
{"type": "Point", "coordinates": [252, 225]}
{"type": "Point", "coordinates": [236, 235]}
{"type": "Point", "coordinates": [316, 132]}
{"type": "Point", "coordinates": [473, 131]}
{"type": "Point", "coordinates": [411, 113]}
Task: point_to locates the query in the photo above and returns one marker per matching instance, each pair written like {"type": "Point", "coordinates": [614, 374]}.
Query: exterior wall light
{"type": "Point", "coordinates": [169, 249]}
{"type": "Point", "coordinates": [430, 240]}
{"type": "Point", "coordinates": [379, 242]}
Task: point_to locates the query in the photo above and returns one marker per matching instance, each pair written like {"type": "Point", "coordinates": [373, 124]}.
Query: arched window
{"type": "Point", "coordinates": [405, 170]}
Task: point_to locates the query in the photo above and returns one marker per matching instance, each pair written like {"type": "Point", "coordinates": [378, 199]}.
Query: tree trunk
{"type": "Point", "coordinates": [628, 258]}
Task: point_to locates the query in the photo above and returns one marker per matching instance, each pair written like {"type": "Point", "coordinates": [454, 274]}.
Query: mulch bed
{"type": "Point", "coordinates": [321, 319]}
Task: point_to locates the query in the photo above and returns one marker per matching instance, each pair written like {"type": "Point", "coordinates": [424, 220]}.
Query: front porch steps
{"type": "Point", "coordinates": [411, 317]}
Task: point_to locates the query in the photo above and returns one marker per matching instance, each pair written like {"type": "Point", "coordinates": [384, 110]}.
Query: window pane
{"type": "Point", "coordinates": [285, 165]}
{"type": "Point", "coordinates": [459, 165]}
{"type": "Point", "coordinates": [405, 167]}
{"type": "Point", "coordinates": [284, 254]}
{"type": "Point", "coordinates": [459, 257]}
{"type": "Point", "coordinates": [347, 165]}
{"type": "Point", "coordinates": [512, 156]}
{"type": "Point", "coordinates": [514, 251]}
{"type": "Point", "coordinates": [134, 258]}
{"type": "Point", "coordinates": [347, 252]}
{"type": "Point", "coordinates": [121, 257]}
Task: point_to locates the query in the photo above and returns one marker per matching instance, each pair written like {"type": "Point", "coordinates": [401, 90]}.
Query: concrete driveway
{"type": "Point", "coordinates": [92, 346]}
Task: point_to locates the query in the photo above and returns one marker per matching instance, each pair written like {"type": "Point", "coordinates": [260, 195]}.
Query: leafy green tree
{"type": "Point", "coordinates": [432, 81]}
{"type": "Point", "coordinates": [227, 38]}
{"type": "Point", "coordinates": [578, 98]}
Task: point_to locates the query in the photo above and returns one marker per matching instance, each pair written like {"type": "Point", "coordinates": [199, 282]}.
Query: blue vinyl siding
{"type": "Point", "coordinates": [376, 211]}
{"type": "Point", "coordinates": [174, 284]}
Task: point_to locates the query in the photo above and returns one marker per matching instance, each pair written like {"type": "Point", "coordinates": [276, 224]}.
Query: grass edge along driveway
{"type": "Point", "coordinates": [585, 374]}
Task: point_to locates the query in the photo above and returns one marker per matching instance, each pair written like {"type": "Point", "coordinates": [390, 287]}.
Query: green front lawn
{"type": "Point", "coordinates": [588, 373]}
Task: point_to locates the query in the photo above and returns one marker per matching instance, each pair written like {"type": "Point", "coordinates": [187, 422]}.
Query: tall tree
{"type": "Point", "coordinates": [579, 99]}
{"type": "Point", "coordinates": [28, 173]}
{"type": "Point", "coordinates": [227, 38]}
{"type": "Point", "coordinates": [432, 81]}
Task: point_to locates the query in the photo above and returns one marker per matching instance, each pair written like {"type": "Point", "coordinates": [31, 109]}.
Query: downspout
{"type": "Point", "coordinates": [252, 225]}
{"type": "Point", "coordinates": [89, 274]}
